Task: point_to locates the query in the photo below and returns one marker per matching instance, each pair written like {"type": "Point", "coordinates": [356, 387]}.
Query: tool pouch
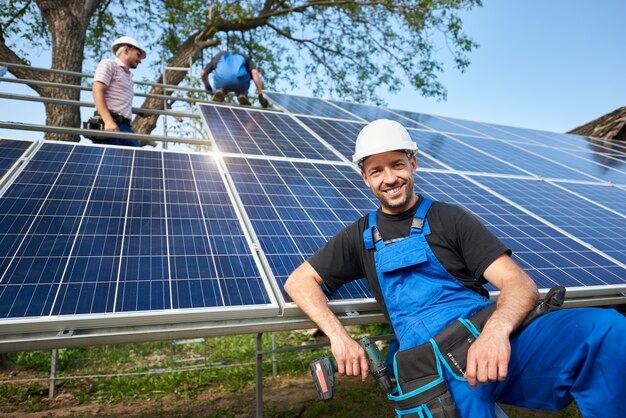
{"type": "Point", "coordinates": [454, 341]}
{"type": "Point", "coordinates": [421, 389]}
{"type": "Point", "coordinates": [95, 122]}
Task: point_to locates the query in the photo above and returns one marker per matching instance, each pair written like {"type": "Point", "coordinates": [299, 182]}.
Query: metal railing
{"type": "Point", "coordinates": [191, 129]}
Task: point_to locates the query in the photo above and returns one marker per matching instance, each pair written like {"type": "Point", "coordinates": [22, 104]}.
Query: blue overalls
{"type": "Point", "coordinates": [231, 74]}
{"type": "Point", "coordinates": [571, 353]}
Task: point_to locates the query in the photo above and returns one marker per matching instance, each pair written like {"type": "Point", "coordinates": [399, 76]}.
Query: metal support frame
{"type": "Point", "coordinates": [54, 357]}
{"type": "Point", "coordinates": [274, 351]}
{"type": "Point", "coordinates": [259, 375]}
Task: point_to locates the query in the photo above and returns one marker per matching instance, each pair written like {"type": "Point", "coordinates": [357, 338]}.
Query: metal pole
{"type": "Point", "coordinates": [259, 375]}
{"type": "Point", "coordinates": [274, 356]}
{"type": "Point", "coordinates": [53, 371]}
{"type": "Point", "coordinates": [164, 75]}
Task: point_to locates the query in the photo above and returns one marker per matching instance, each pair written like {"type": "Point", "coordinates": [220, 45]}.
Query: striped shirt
{"type": "Point", "coordinates": [119, 81]}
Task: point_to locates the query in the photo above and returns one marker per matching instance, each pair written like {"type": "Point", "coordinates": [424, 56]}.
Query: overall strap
{"type": "Point", "coordinates": [372, 237]}
{"type": "Point", "coordinates": [419, 224]}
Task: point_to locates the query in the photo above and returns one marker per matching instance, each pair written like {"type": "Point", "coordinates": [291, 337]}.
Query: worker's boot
{"type": "Point", "coordinates": [219, 95]}
{"type": "Point", "coordinates": [243, 100]}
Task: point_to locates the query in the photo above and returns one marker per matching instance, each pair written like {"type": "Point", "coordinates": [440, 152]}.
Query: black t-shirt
{"type": "Point", "coordinates": [461, 243]}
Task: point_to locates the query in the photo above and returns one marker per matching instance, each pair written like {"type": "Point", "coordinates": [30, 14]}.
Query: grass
{"type": "Point", "coordinates": [148, 379]}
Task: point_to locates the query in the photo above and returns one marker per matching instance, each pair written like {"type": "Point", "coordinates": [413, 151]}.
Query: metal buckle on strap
{"type": "Point", "coordinates": [376, 235]}
{"type": "Point", "coordinates": [417, 223]}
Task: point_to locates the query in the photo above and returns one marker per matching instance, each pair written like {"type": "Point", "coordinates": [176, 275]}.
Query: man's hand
{"type": "Point", "coordinates": [350, 357]}
{"type": "Point", "coordinates": [488, 358]}
{"type": "Point", "coordinates": [111, 126]}
{"type": "Point", "coordinates": [263, 100]}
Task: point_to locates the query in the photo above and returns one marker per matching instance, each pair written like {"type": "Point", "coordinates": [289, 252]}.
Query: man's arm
{"type": "Point", "coordinates": [204, 75]}
{"type": "Point", "coordinates": [98, 90]}
{"type": "Point", "coordinates": [488, 357]}
{"type": "Point", "coordinates": [303, 286]}
{"type": "Point", "coordinates": [256, 77]}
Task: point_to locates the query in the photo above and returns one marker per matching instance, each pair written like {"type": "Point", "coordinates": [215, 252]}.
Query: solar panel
{"type": "Point", "coordinates": [370, 113]}
{"type": "Point", "coordinates": [310, 106]}
{"type": "Point", "coordinates": [295, 206]}
{"type": "Point", "coordinates": [452, 153]}
{"type": "Point", "coordinates": [549, 255]}
{"type": "Point", "coordinates": [254, 132]}
{"type": "Point", "coordinates": [10, 152]}
{"type": "Point", "coordinates": [594, 164]}
{"type": "Point", "coordinates": [527, 158]}
{"type": "Point", "coordinates": [128, 239]}
{"type": "Point", "coordinates": [103, 231]}
{"type": "Point", "coordinates": [436, 123]}
{"type": "Point", "coordinates": [577, 215]}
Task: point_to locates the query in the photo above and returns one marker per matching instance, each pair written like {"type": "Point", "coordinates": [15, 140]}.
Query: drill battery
{"type": "Point", "coordinates": [323, 371]}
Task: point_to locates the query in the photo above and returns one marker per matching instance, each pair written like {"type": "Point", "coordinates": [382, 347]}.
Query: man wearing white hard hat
{"type": "Point", "coordinates": [113, 89]}
{"type": "Point", "coordinates": [426, 263]}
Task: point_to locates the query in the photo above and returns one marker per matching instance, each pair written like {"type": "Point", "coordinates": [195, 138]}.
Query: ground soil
{"type": "Point", "coordinates": [282, 397]}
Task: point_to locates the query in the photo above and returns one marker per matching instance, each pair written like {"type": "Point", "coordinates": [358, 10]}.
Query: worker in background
{"type": "Point", "coordinates": [113, 89]}
{"type": "Point", "coordinates": [426, 263]}
{"type": "Point", "coordinates": [232, 72]}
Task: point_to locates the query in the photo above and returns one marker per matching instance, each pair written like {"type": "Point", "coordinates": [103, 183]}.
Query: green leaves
{"type": "Point", "coordinates": [352, 50]}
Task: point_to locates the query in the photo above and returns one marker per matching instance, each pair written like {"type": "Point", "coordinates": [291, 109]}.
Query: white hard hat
{"type": "Point", "coordinates": [127, 40]}
{"type": "Point", "coordinates": [380, 136]}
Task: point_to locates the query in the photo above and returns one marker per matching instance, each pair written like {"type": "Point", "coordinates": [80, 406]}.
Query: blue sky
{"type": "Point", "coordinates": [542, 64]}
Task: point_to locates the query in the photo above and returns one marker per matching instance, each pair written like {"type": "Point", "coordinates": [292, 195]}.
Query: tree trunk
{"type": "Point", "coordinates": [189, 52]}
{"type": "Point", "coordinates": [68, 22]}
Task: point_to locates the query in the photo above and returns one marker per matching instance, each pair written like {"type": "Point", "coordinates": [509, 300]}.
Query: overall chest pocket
{"type": "Point", "coordinates": [399, 255]}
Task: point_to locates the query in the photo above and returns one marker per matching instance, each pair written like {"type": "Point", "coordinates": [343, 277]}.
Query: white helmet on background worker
{"type": "Point", "coordinates": [127, 40]}
{"type": "Point", "coordinates": [380, 136]}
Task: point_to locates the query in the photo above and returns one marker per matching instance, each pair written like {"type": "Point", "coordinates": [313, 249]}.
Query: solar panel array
{"type": "Point", "coordinates": [95, 237]}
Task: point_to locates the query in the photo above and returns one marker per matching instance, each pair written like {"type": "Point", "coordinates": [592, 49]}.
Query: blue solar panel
{"type": "Point", "coordinates": [450, 152]}
{"type": "Point", "coordinates": [581, 217]}
{"type": "Point", "coordinates": [593, 164]}
{"type": "Point", "coordinates": [370, 113]}
{"type": "Point", "coordinates": [310, 106]}
{"type": "Point", "coordinates": [436, 123]}
{"type": "Point", "coordinates": [97, 230]}
{"type": "Point", "coordinates": [549, 255]}
{"type": "Point", "coordinates": [256, 132]}
{"type": "Point", "coordinates": [295, 207]}
{"type": "Point", "coordinates": [10, 152]}
{"type": "Point", "coordinates": [490, 130]}
{"type": "Point", "coordinates": [609, 197]}
{"type": "Point", "coordinates": [96, 233]}
{"type": "Point", "coordinates": [339, 134]}
{"type": "Point", "coordinates": [525, 158]}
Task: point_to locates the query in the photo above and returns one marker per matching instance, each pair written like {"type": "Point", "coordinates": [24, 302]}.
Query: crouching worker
{"type": "Point", "coordinates": [113, 90]}
{"type": "Point", "coordinates": [232, 72]}
{"type": "Point", "coordinates": [426, 263]}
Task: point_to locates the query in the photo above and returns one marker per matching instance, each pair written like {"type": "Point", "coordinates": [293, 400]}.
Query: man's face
{"type": "Point", "coordinates": [132, 57]}
{"type": "Point", "coordinates": [390, 177]}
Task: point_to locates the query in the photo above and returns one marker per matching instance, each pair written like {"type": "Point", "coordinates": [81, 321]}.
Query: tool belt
{"type": "Point", "coordinates": [117, 118]}
{"type": "Point", "coordinates": [421, 390]}
{"type": "Point", "coordinates": [97, 123]}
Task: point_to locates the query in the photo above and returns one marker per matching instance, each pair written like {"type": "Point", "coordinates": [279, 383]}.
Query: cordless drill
{"type": "Point", "coordinates": [323, 370]}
